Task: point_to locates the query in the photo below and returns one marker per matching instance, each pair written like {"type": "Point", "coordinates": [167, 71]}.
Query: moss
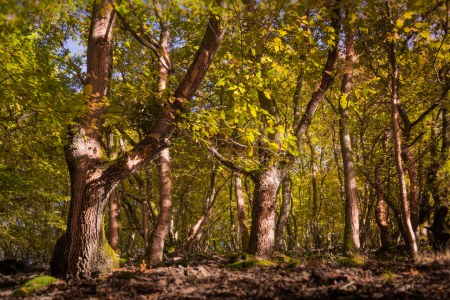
{"type": "Point", "coordinates": [159, 265]}
{"type": "Point", "coordinates": [242, 256]}
{"type": "Point", "coordinates": [124, 275]}
{"type": "Point", "coordinates": [350, 261]}
{"type": "Point", "coordinates": [31, 285]}
{"type": "Point", "coordinates": [248, 264]}
{"type": "Point", "coordinates": [282, 259]}
{"type": "Point", "coordinates": [101, 279]}
{"type": "Point", "coordinates": [122, 262]}
{"type": "Point", "coordinates": [168, 249]}
{"type": "Point", "coordinates": [294, 263]}
{"type": "Point", "coordinates": [181, 263]}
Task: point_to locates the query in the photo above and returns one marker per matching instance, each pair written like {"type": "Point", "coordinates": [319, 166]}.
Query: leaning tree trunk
{"type": "Point", "coordinates": [165, 211]}
{"type": "Point", "coordinates": [83, 249]}
{"type": "Point", "coordinates": [284, 213]}
{"type": "Point", "coordinates": [398, 150]}
{"type": "Point", "coordinates": [351, 230]}
{"type": "Point", "coordinates": [242, 216]}
{"type": "Point", "coordinates": [197, 231]}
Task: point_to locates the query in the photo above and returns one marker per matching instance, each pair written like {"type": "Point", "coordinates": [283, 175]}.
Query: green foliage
{"type": "Point", "coordinates": [31, 285]}
{"type": "Point", "coordinates": [389, 276]}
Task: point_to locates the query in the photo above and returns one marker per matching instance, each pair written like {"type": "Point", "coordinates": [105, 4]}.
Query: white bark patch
{"type": "Point", "coordinates": [133, 162]}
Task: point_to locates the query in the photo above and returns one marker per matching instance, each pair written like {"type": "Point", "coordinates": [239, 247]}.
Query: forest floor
{"type": "Point", "coordinates": [318, 275]}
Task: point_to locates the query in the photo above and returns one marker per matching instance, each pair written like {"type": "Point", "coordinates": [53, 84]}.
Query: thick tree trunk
{"type": "Point", "coordinates": [398, 150]}
{"type": "Point", "coordinates": [284, 213]}
{"type": "Point", "coordinates": [351, 230]}
{"type": "Point", "coordinates": [85, 245]}
{"type": "Point", "coordinates": [380, 215]}
{"type": "Point", "coordinates": [262, 230]}
{"type": "Point", "coordinates": [83, 249]}
{"type": "Point", "coordinates": [165, 210]}
{"type": "Point", "coordinates": [113, 222]}
{"type": "Point", "coordinates": [242, 216]}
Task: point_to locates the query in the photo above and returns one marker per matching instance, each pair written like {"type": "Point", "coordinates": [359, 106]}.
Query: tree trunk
{"type": "Point", "coordinates": [165, 210]}
{"type": "Point", "coordinates": [351, 230]}
{"type": "Point", "coordinates": [380, 215]}
{"type": "Point", "coordinates": [284, 213]}
{"type": "Point", "coordinates": [197, 231]}
{"type": "Point", "coordinates": [113, 222]}
{"type": "Point", "coordinates": [83, 249]}
{"type": "Point", "coordinates": [242, 216]}
{"type": "Point", "coordinates": [262, 230]}
{"type": "Point", "coordinates": [398, 150]}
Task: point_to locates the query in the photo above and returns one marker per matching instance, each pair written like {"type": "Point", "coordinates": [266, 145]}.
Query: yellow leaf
{"type": "Point", "coordinates": [87, 89]}
{"type": "Point", "coordinates": [399, 23]}
{"type": "Point", "coordinates": [103, 12]}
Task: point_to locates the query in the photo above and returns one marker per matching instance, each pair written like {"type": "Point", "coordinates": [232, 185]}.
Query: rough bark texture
{"type": "Point", "coordinates": [242, 215]}
{"type": "Point", "coordinates": [91, 181]}
{"type": "Point", "coordinates": [262, 230]}
{"type": "Point", "coordinates": [113, 221]}
{"type": "Point", "coordinates": [380, 214]}
{"type": "Point", "coordinates": [84, 238]}
{"type": "Point", "coordinates": [351, 231]}
{"type": "Point", "coordinates": [398, 150]}
{"type": "Point", "coordinates": [284, 213]}
{"type": "Point", "coordinates": [165, 211]}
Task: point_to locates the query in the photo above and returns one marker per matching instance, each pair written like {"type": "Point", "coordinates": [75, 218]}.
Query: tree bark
{"type": "Point", "coordinates": [83, 249]}
{"type": "Point", "coordinates": [262, 230]}
{"type": "Point", "coordinates": [197, 231]}
{"type": "Point", "coordinates": [242, 215]}
{"type": "Point", "coordinates": [165, 211]}
{"type": "Point", "coordinates": [351, 230]}
{"type": "Point", "coordinates": [398, 149]}
{"type": "Point", "coordinates": [113, 222]}
{"type": "Point", "coordinates": [380, 215]}
{"type": "Point", "coordinates": [284, 213]}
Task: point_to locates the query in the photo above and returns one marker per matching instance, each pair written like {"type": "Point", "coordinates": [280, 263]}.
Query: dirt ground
{"type": "Point", "coordinates": [202, 276]}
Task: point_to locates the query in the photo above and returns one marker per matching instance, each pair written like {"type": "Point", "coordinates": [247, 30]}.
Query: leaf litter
{"type": "Point", "coordinates": [201, 276]}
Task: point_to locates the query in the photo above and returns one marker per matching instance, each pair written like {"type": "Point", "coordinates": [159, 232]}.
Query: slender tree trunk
{"type": "Point", "coordinates": [145, 223]}
{"type": "Point", "coordinates": [242, 216]}
{"type": "Point", "coordinates": [351, 231]}
{"type": "Point", "coordinates": [197, 231]}
{"type": "Point", "coordinates": [284, 213]}
{"type": "Point", "coordinates": [113, 222]}
{"type": "Point", "coordinates": [380, 215]}
{"type": "Point", "coordinates": [165, 210]}
{"type": "Point", "coordinates": [232, 223]}
{"type": "Point", "coordinates": [398, 150]}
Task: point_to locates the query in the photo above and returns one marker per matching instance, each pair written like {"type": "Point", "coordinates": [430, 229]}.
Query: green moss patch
{"type": "Point", "coordinates": [122, 262]}
{"type": "Point", "coordinates": [354, 261]}
{"type": "Point", "coordinates": [159, 265]}
{"type": "Point", "coordinates": [124, 275]}
{"type": "Point", "coordinates": [248, 264]}
{"type": "Point", "coordinates": [181, 263]}
{"type": "Point", "coordinates": [294, 263]}
{"type": "Point", "coordinates": [237, 257]}
{"type": "Point", "coordinates": [31, 285]}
